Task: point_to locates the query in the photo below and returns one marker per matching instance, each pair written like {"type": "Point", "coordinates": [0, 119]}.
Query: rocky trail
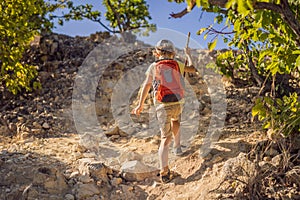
{"type": "Point", "coordinates": [51, 149]}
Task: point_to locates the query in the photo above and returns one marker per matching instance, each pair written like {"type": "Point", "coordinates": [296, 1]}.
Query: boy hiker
{"type": "Point", "coordinates": [165, 75]}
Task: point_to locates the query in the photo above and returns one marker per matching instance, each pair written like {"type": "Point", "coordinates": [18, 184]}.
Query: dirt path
{"type": "Point", "coordinates": [194, 179]}
{"type": "Point", "coordinates": [194, 176]}
{"type": "Point", "coordinates": [34, 167]}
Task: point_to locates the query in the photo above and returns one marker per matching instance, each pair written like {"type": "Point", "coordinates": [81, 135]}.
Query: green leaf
{"type": "Point", "coordinates": [60, 22]}
{"type": "Point", "coordinates": [212, 45]}
{"type": "Point", "coordinates": [298, 61]}
{"type": "Point", "coordinates": [205, 36]}
{"type": "Point", "coordinates": [273, 67]}
{"type": "Point", "coordinates": [263, 55]}
{"type": "Point", "coordinates": [258, 108]}
{"type": "Point", "coordinates": [237, 26]}
{"type": "Point", "coordinates": [267, 125]}
{"type": "Point", "coordinates": [242, 7]}
{"type": "Point", "coordinates": [200, 31]}
{"type": "Point", "coordinates": [249, 4]}
{"type": "Point", "coordinates": [296, 52]}
{"type": "Point", "coordinates": [219, 19]}
{"type": "Point", "coordinates": [230, 3]}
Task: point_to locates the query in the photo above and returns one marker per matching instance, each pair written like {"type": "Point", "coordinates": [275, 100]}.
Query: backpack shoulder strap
{"type": "Point", "coordinates": [164, 59]}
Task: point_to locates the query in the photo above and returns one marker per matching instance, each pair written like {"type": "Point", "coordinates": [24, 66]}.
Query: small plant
{"type": "Point", "coordinates": [20, 21]}
{"type": "Point", "coordinates": [280, 116]}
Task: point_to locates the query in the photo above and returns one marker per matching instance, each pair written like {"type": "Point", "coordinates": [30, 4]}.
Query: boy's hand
{"type": "Point", "coordinates": [137, 110]}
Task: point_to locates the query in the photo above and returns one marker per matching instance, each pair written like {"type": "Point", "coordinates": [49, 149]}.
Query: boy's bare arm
{"type": "Point", "coordinates": [145, 90]}
{"type": "Point", "coordinates": [189, 67]}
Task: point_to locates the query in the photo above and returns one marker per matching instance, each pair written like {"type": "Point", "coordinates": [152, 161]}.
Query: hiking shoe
{"type": "Point", "coordinates": [177, 151]}
{"type": "Point", "coordinates": [166, 178]}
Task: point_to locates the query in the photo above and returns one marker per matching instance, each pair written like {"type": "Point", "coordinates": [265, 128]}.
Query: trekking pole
{"type": "Point", "coordinates": [188, 39]}
{"type": "Point", "coordinates": [186, 46]}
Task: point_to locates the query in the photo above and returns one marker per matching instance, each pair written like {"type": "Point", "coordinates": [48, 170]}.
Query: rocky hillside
{"type": "Point", "coordinates": [75, 137]}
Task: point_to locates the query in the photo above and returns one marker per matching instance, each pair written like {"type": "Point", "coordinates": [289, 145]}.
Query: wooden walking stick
{"type": "Point", "coordinates": [186, 46]}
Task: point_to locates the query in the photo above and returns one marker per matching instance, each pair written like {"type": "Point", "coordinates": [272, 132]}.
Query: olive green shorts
{"type": "Point", "coordinates": [165, 114]}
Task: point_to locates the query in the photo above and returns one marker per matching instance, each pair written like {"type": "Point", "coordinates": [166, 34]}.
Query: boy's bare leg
{"type": "Point", "coordinates": [163, 153]}
{"type": "Point", "coordinates": [176, 133]}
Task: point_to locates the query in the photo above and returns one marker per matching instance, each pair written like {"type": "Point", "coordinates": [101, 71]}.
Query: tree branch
{"type": "Point", "coordinates": [283, 9]}
{"type": "Point", "coordinates": [182, 13]}
{"type": "Point", "coordinates": [286, 13]}
{"type": "Point", "coordinates": [220, 3]}
{"type": "Point", "coordinates": [267, 6]}
{"type": "Point", "coordinates": [94, 20]}
{"type": "Point", "coordinates": [214, 31]}
{"type": "Point", "coordinates": [116, 14]}
{"type": "Point", "coordinates": [104, 26]}
{"type": "Point", "coordinates": [254, 73]}
{"type": "Point", "coordinates": [290, 18]}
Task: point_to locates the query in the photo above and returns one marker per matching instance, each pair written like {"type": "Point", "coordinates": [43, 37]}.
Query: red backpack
{"type": "Point", "coordinates": [168, 78]}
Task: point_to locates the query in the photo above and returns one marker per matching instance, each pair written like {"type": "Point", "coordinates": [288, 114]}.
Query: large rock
{"type": "Point", "coordinates": [99, 171]}
{"type": "Point", "coordinates": [137, 171]}
{"type": "Point", "coordinates": [95, 169]}
{"type": "Point", "coordinates": [129, 156]}
{"type": "Point", "coordinates": [84, 191]}
{"type": "Point", "coordinates": [51, 180]}
{"type": "Point", "coordinates": [239, 168]}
